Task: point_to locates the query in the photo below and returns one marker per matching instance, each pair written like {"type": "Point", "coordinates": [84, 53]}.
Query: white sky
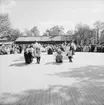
{"type": "Point", "coordinates": [47, 13]}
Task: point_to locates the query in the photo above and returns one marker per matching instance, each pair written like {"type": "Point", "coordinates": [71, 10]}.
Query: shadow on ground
{"type": "Point", "coordinates": [52, 63]}
{"type": "Point", "coordinates": [90, 91]}
{"type": "Point", "coordinates": [57, 95]}
{"type": "Point", "coordinates": [87, 73]}
{"type": "Point", "coordinates": [21, 64]}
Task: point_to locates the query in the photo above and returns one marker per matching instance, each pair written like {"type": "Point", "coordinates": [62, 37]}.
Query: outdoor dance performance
{"type": "Point", "coordinates": [51, 52]}
{"type": "Point", "coordinates": [34, 51]}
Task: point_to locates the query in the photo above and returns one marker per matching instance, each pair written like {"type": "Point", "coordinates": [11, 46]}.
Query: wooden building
{"type": "Point", "coordinates": [43, 39]}
{"type": "Point", "coordinates": [5, 41]}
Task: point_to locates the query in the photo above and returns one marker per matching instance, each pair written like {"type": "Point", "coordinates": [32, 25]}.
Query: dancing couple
{"type": "Point", "coordinates": [33, 51]}
{"type": "Point", "coordinates": [69, 50]}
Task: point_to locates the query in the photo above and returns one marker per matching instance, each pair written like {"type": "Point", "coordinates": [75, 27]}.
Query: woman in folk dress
{"type": "Point", "coordinates": [59, 57]}
{"type": "Point", "coordinates": [38, 53]}
{"type": "Point", "coordinates": [28, 56]}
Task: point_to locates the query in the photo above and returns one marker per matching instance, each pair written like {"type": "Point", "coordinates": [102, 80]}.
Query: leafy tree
{"type": "Point", "coordinates": [83, 34]}
{"type": "Point", "coordinates": [34, 31]}
{"type": "Point", "coordinates": [102, 36]}
{"type": "Point", "coordinates": [6, 31]}
{"type": "Point", "coordinates": [46, 33]}
{"type": "Point", "coordinates": [99, 26]}
{"type": "Point", "coordinates": [4, 24]}
{"type": "Point", "coordinates": [27, 32]}
{"type": "Point", "coordinates": [55, 30]}
{"type": "Point", "coordinates": [14, 34]}
{"type": "Point", "coordinates": [69, 32]}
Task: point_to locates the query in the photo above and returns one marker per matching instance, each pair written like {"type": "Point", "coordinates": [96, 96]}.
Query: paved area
{"type": "Point", "coordinates": [48, 83]}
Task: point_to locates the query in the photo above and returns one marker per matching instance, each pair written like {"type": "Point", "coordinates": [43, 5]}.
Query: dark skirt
{"type": "Point", "coordinates": [28, 57]}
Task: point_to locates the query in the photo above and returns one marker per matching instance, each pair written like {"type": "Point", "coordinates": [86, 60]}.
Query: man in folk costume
{"type": "Point", "coordinates": [69, 52]}
{"type": "Point", "coordinates": [38, 52]}
{"type": "Point", "coordinates": [73, 47]}
{"type": "Point", "coordinates": [32, 50]}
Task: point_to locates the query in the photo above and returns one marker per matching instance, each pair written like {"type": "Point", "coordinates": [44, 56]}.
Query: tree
{"type": "Point", "coordinates": [35, 31]}
{"type": "Point", "coordinates": [5, 24]}
{"type": "Point", "coordinates": [46, 33]}
{"type": "Point", "coordinates": [102, 37]}
{"type": "Point", "coordinates": [14, 34]}
{"type": "Point", "coordinates": [55, 30]}
{"type": "Point", "coordinates": [6, 31]}
{"type": "Point", "coordinates": [27, 32]}
{"type": "Point", "coordinates": [83, 34]}
{"type": "Point", "coordinates": [69, 32]}
{"type": "Point", "coordinates": [32, 32]}
{"type": "Point", "coordinates": [99, 26]}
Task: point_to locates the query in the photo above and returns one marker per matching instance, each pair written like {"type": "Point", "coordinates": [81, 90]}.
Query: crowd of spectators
{"type": "Point", "coordinates": [79, 48]}
{"type": "Point", "coordinates": [15, 48]}
{"type": "Point", "coordinates": [90, 48]}
{"type": "Point", "coordinates": [10, 49]}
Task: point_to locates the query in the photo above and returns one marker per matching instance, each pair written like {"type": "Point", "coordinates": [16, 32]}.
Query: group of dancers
{"type": "Point", "coordinates": [69, 52]}
{"type": "Point", "coordinates": [31, 52]}
{"type": "Point", "coordinates": [34, 51]}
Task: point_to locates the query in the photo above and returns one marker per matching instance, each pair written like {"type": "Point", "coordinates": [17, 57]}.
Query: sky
{"type": "Point", "coordinates": [24, 14]}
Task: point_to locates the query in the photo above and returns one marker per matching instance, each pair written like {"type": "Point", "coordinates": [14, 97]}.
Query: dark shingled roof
{"type": "Point", "coordinates": [3, 39]}
{"type": "Point", "coordinates": [25, 39]}
{"type": "Point", "coordinates": [44, 38]}
{"type": "Point", "coordinates": [8, 42]}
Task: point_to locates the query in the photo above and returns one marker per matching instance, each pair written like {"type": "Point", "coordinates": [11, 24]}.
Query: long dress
{"type": "Point", "coordinates": [28, 57]}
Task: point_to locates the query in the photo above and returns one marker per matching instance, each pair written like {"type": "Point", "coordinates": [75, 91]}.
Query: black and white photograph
{"type": "Point", "coordinates": [51, 52]}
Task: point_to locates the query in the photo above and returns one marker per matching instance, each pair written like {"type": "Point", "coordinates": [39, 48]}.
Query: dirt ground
{"type": "Point", "coordinates": [48, 83]}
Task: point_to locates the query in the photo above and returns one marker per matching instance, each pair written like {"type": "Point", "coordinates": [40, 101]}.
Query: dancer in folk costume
{"type": "Point", "coordinates": [32, 50]}
{"type": "Point", "coordinates": [69, 52]}
{"type": "Point", "coordinates": [73, 47]}
{"type": "Point", "coordinates": [38, 52]}
{"type": "Point", "coordinates": [59, 57]}
{"type": "Point", "coordinates": [49, 50]}
{"type": "Point", "coordinates": [28, 56]}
